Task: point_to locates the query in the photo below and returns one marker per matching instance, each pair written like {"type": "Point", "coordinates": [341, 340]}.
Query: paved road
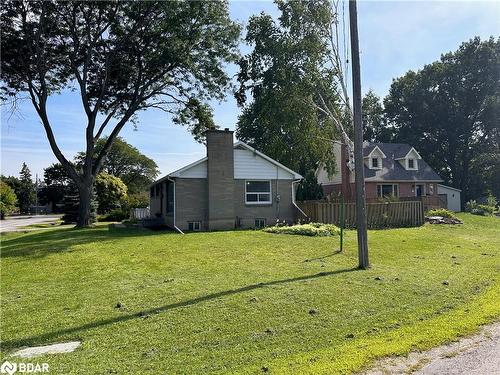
{"type": "Point", "coordinates": [14, 223]}
{"type": "Point", "coordinates": [475, 355]}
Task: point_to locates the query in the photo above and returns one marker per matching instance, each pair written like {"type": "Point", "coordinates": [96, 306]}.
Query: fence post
{"type": "Point", "coordinates": [341, 223]}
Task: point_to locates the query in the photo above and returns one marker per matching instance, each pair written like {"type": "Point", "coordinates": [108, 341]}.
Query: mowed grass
{"type": "Point", "coordinates": [244, 301]}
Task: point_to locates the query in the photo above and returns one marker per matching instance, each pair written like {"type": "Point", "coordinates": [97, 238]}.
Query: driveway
{"type": "Point", "coordinates": [475, 355]}
{"type": "Point", "coordinates": [15, 223]}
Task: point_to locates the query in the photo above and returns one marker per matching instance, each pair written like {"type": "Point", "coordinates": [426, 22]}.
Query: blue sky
{"type": "Point", "coordinates": [395, 36]}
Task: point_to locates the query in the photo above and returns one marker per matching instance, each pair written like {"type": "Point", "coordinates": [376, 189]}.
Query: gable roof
{"type": "Point", "coordinates": [238, 145]}
{"type": "Point", "coordinates": [408, 153]}
{"type": "Point", "coordinates": [392, 170]}
{"type": "Point", "coordinates": [269, 159]}
{"type": "Point", "coordinates": [371, 150]}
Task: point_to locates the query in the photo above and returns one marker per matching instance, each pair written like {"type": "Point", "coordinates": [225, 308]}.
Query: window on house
{"type": "Point", "coordinates": [374, 162]}
{"type": "Point", "coordinates": [258, 192]}
{"type": "Point", "coordinates": [152, 192]}
{"type": "Point", "coordinates": [260, 223]}
{"type": "Point", "coordinates": [158, 190]}
{"type": "Point", "coordinates": [411, 163]}
{"type": "Point", "coordinates": [387, 190]}
{"type": "Point", "coordinates": [194, 226]}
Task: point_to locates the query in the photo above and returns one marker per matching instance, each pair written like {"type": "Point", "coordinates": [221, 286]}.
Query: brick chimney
{"type": "Point", "coordinates": [220, 178]}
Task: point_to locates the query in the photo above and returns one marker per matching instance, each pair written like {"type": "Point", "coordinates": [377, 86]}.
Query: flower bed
{"type": "Point", "coordinates": [310, 229]}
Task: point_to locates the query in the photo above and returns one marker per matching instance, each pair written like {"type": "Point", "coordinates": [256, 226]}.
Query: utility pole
{"type": "Point", "coordinates": [358, 141]}
{"type": "Point", "coordinates": [36, 194]}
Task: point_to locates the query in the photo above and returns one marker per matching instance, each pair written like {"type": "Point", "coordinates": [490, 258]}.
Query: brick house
{"type": "Point", "coordinates": [391, 169]}
{"type": "Point", "coordinates": [234, 186]}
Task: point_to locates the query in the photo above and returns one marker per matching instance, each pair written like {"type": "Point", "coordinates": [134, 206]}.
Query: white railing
{"type": "Point", "coordinates": [140, 213]}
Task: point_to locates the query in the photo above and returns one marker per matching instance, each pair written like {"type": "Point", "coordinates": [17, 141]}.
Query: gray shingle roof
{"type": "Point", "coordinates": [392, 170]}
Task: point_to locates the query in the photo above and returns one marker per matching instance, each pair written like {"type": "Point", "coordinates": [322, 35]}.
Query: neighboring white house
{"type": "Point", "coordinates": [452, 197]}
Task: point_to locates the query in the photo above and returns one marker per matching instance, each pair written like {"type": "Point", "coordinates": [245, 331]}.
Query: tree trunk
{"type": "Point", "coordinates": [84, 217]}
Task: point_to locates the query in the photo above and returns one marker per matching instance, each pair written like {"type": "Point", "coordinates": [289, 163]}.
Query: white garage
{"type": "Point", "coordinates": [452, 197]}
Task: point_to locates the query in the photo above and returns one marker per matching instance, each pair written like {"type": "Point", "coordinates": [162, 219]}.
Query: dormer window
{"type": "Point", "coordinates": [410, 160]}
{"type": "Point", "coordinates": [374, 159]}
{"type": "Point", "coordinates": [375, 163]}
{"type": "Point", "coordinates": [411, 164]}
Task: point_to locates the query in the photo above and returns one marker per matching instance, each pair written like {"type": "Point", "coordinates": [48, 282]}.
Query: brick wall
{"type": "Point", "coordinates": [220, 176]}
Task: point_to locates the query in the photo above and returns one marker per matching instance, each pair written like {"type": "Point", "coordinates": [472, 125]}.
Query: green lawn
{"type": "Point", "coordinates": [244, 301]}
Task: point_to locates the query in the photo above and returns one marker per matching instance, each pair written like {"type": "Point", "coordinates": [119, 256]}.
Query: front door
{"type": "Point", "coordinates": [419, 190]}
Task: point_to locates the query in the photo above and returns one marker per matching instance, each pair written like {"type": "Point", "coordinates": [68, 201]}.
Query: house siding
{"type": "Point", "coordinates": [453, 201]}
{"type": "Point", "coordinates": [156, 203]}
{"type": "Point", "coordinates": [282, 210]}
{"type": "Point", "coordinates": [192, 204]}
{"type": "Point", "coordinates": [251, 166]}
{"type": "Point", "coordinates": [406, 189]}
{"type": "Point", "coordinates": [220, 175]}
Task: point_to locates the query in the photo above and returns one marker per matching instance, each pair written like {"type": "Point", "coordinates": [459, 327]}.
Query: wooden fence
{"type": "Point", "coordinates": [379, 215]}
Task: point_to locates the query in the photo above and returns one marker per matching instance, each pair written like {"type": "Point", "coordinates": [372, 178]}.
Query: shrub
{"type": "Point", "coordinates": [443, 212]}
{"type": "Point", "coordinates": [311, 229]}
{"type": "Point", "coordinates": [471, 205]}
{"type": "Point", "coordinates": [114, 215]}
{"type": "Point", "coordinates": [491, 200]}
{"type": "Point", "coordinates": [388, 199]}
{"type": "Point", "coordinates": [487, 209]}
{"type": "Point", "coordinates": [479, 209]}
{"type": "Point", "coordinates": [8, 199]}
{"type": "Point", "coordinates": [110, 190]}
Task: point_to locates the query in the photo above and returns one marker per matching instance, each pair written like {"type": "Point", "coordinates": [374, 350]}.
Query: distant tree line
{"type": "Point", "coordinates": [123, 184]}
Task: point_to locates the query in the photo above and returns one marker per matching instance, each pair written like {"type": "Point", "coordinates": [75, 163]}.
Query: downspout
{"type": "Point", "coordinates": [293, 198]}
{"type": "Point", "coordinates": [175, 226]}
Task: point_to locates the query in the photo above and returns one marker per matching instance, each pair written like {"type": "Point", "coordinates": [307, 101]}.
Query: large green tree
{"type": "Point", "coordinates": [57, 184]}
{"type": "Point", "coordinates": [283, 76]}
{"type": "Point", "coordinates": [126, 162]}
{"type": "Point", "coordinates": [375, 126]}
{"type": "Point", "coordinates": [8, 200]}
{"type": "Point", "coordinates": [26, 195]}
{"type": "Point", "coordinates": [110, 190]}
{"type": "Point", "coordinates": [449, 111]}
{"type": "Point", "coordinates": [122, 57]}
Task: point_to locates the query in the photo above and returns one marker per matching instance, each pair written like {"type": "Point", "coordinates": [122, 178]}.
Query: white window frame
{"type": "Point", "coordinates": [195, 224]}
{"type": "Point", "coordinates": [415, 165]}
{"type": "Point", "coordinates": [395, 188]}
{"type": "Point", "coordinates": [270, 192]}
{"type": "Point", "coordinates": [379, 163]}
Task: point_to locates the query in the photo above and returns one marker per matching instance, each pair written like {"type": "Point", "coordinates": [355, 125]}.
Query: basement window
{"type": "Point", "coordinates": [260, 223]}
{"type": "Point", "coordinates": [258, 192]}
{"type": "Point", "coordinates": [194, 226]}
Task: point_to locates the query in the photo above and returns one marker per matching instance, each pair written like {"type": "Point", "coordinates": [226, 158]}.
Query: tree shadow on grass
{"type": "Point", "coordinates": [337, 252]}
{"type": "Point", "coordinates": [51, 336]}
{"type": "Point", "coordinates": [39, 244]}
